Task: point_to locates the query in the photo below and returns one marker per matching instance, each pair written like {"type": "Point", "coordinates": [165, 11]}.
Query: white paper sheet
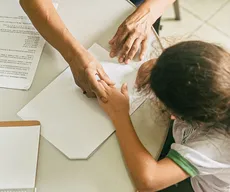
{"type": "Point", "coordinates": [18, 152]}
{"type": "Point", "coordinates": [20, 48]}
{"type": "Point", "coordinates": [70, 121]}
{"type": "Point", "coordinates": [120, 73]}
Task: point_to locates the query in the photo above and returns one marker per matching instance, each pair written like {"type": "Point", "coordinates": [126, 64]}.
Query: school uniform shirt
{"type": "Point", "coordinates": [204, 154]}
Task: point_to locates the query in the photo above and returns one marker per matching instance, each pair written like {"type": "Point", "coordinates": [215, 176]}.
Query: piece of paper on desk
{"type": "Point", "coordinates": [19, 152]}
{"type": "Point", "coordinates": [18, 190]}
{"type": "Point", "coordinates": [20, 48]}
{"type": "Point", "coordinates": [120, 73]}
{"type": "Point", "coordinates": [74, 124]}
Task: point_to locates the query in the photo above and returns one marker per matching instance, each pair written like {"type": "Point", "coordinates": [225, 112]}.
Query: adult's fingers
{"type": "Point", "coordinates": [119, 30]}
{"type": "Point", "coordinates": [85, 88]}
{"type": "Point", "coordinates": [124, 90]}
{"type": "Point", "coordinates": [143, 49]}
{"type": "Point", "coordinates": [133, 50]}
{"type": "Point", "coordinates": [79, 85]}
{"type": "Point", "coordinates": [105, 85]}
{"type": "Point", "coordinates": [88, 91]}
{"type": "Point", "coordinates": [94, 85]}
{"type": "Point", "coordinates": [103, 76]}
{"type": "Point", "coordinates": [113, 42]}
{"type": "Point", "coordinates": [118, 42]}
{"type": "Point", "coordinates": [89, 94]}
{"type": "Point", "coordinates": [126, 47]}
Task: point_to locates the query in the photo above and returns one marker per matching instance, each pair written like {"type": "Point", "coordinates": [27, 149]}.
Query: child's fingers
{"type": "Point", "coordinates": [101, 85]}
{"type": "Point", "coordinates": [124, 90]}
{"type": "Point", "coordinates": [104, 84]}
{"type": "Point", "coordinates": [101, 99]}
{"type": "Point", "coordinates": [106, 87]}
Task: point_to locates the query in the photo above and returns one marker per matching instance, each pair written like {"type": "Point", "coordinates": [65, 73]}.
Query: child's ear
{"type": "Point", "coordinates": [144, 73]}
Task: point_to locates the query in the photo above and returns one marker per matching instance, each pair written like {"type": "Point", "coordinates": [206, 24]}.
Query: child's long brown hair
{"type": "Point", "coordinates": [192, 79]}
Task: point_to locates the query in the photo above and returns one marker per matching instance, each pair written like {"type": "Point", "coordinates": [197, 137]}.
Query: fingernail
{"type": "Point", "coordinates": [126, 86]}
{"type": "Point", "coordinates": [111, 40]}
{"type": "Point", "coordinates": [112, 83]}
{"type": "Point", "coordinates": [104, 99]}
{"type": "Point", "coordinates": [121, 59]}
{"type": "Point", "coordinates": [127, 61]}
{"type": "Point", "coordinates": [112, 54]}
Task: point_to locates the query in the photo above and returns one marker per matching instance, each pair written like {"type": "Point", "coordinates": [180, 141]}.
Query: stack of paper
{"type": "Point", "coordinates": [70, 121]}
{"type": "Point", "coordinates": [20, 48]}
{"type": "Point", "coordinates": [19, 143]}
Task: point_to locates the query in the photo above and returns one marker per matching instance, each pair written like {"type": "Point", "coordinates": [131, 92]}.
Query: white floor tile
{"type": "Point", "coordinates": [185, 26]}
{"type": "Point", "coordinates": [222, 19]}
{"type": "Point", "coordinates": [202, 8]}
{"type": "Point", "coordinates": [210, 34]}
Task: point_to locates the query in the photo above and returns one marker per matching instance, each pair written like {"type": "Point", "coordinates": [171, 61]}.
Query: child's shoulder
{"type": "Point", "coordinates": [211, 142]}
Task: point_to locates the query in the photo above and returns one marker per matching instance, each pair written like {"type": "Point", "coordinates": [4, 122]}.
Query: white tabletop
{"type": "Point", "coordinates": [90, 22]}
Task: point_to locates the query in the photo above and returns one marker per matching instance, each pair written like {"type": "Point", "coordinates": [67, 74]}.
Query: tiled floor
{"type": "Point", "coordinates": [207, 20]}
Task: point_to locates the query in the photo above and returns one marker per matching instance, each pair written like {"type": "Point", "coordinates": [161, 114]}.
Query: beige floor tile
{"type": "Point", "coordinates": [222, 19]}
{"type": "Point", "coordinates": [202, 8]}
{"type": "Point", "coordinates": [212, 35]}
{"type": "Point", "coordinates": [171, 27]}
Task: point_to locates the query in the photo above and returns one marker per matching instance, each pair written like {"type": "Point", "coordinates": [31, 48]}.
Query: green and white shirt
{"type": "Point", "coordinates": [204, 155]}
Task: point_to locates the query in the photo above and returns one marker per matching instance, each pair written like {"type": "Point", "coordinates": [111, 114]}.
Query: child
{"type": "Point", "coordinates": [192, 79]}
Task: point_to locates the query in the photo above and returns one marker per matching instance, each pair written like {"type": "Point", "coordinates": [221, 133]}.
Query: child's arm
{"type": "Point", "coordinates": [148, 174]}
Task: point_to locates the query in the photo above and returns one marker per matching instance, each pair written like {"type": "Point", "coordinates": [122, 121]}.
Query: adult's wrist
{"type": "Point", "coordinates": [148, 7]}
{"type": "Point", "coordinates": [73, 51]}
{"type": "Point", "coordinates": [156, 8]}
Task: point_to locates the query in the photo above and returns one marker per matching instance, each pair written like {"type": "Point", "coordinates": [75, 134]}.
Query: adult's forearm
{"type": "Point", "coordinates": [48, 23]}
{"type": "Point", "coordinates": [155, 7]}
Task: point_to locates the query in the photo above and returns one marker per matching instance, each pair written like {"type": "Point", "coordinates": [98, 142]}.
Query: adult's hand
{"type": "Point", "coordinates": [83, 65]}
{"type": "Point", "coordinates": [86, 70]}
{"type": "Point", "coordinates": [132, 34]}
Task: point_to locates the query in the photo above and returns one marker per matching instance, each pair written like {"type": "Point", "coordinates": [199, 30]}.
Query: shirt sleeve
{"type": "Point", "coordinates": [182, 162]}
{"type": "Point", "coordinates": [195, 162]}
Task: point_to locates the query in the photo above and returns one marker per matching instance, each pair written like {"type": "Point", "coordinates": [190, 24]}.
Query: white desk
{"type": "Point", "coordinates": [105, 171]}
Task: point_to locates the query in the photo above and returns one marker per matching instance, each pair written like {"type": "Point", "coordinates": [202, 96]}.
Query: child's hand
{"type": "Point", "coordinates": [118, 101]}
